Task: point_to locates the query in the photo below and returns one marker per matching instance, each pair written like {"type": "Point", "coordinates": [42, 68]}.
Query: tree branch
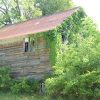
{"type": "Point", "coordinates": [2, 10]}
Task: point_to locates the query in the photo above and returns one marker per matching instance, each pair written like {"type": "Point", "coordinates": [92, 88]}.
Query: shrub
{"type": "Point", "coordinates": [77, 65]}
{"type": "Point", "coordinates": [34, 85]}
{"type": "Point", "coordinates": [85, 86]}
{"type": "Point", "coordinates": [25, 86]}
{"type": "Point", "coordinates": [20, 86]}
{"type": "Point", "coordinates": [14, 85]}
{"type": "Point", "coordinates": [5, 80]}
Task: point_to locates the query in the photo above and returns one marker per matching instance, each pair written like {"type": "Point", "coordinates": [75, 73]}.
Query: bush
{"type": "Point", "coordinates": [25, 86]}
{"type": "Point", "coordinates": [34, 85]}
{"type": "Point", "coordinates": [78, 74]}
{"type": "Point", "coordinates": [5, 79]}
{"type": "Point", "coordinates": [20, 86]}
{"type": "Point", "coordinates": [77, 65]}
{"type": "Point", "coordinates": [85, 86]}
{"type": "Point", "coordinates": [14, 85]}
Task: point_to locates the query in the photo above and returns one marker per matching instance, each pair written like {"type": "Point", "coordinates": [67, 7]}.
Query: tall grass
{"type": "Point", "coordinates": [10, 96]}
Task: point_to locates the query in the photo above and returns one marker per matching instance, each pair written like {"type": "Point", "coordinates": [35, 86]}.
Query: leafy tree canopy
{"type": "Point", "coordinates": [52, 6]}
{"type": "Point", "coordinates": [12, 11]}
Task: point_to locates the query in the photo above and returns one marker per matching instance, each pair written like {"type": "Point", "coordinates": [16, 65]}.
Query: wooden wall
{"type": "Point", "coordinates": [26, 64]}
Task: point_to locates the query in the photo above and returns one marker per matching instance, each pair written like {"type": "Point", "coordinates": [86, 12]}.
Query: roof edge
{"type": "Point", "coordinates": [75, 8]}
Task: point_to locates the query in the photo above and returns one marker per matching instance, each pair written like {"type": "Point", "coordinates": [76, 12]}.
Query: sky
{"type": "Point", "coordinates": [92, 8]}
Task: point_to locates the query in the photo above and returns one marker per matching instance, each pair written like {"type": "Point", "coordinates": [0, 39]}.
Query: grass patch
{"type": "Point", "coordinates": [10, 96]}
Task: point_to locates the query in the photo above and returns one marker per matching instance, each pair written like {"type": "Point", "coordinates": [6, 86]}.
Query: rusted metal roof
{"type": "Point", "coordinates": [35, 25]}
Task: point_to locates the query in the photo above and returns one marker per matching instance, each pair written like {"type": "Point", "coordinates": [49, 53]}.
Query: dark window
{"type": "Point", "coordinates": [26, 46]}
{"type": "Point", "coordinates": [63, 38]}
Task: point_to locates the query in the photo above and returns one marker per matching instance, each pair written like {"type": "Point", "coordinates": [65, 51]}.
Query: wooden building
{"type": "Point", "coordinates": [25, 57]}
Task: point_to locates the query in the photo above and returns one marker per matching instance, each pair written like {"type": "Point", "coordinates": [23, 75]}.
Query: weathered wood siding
{"type": "Point", "coordinates": [31, 64]}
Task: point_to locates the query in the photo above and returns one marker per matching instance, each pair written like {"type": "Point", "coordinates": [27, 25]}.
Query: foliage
{"type": "Point", "coordinates": [52, 6]}
{"type": "Point", "coordinates": [29, 10]}
{"type": "Point", "coordinates": [25, 86]}
{"type": "Point", "coordinates": [11, 96]}
{"type": "Point", "coordinates": [53, 40]}
{"type": "Point", "coordinates": [20, 86]}
{"type": "Point", "coordinates": [5, 80]}
{"type": "Point", "coordinates": [77, 63]}
{"type": "Point", "coordinates": [73, 26]}
{"type": "Point", "coordinates": [12, 11]}
{"type": "Point", "coordinates": [14, 85]}
{"type": "Point", "coordinates": [87, 85]}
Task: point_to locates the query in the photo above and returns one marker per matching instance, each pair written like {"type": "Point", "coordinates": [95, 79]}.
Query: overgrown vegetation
{"type": "Point", "coordinates": [10, 96]}
{"type": "Point", "coordinates": [5, 80]}
{"type": "Point", "coordinates": [16, 86]}
{"type": "Point", "coordinates": [76, 63]}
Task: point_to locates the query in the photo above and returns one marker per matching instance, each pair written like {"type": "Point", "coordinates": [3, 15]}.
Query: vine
{"type": "Point", "coordinates": [69, 27]}
{"type": "Point", "coordinates": [53, 41]}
